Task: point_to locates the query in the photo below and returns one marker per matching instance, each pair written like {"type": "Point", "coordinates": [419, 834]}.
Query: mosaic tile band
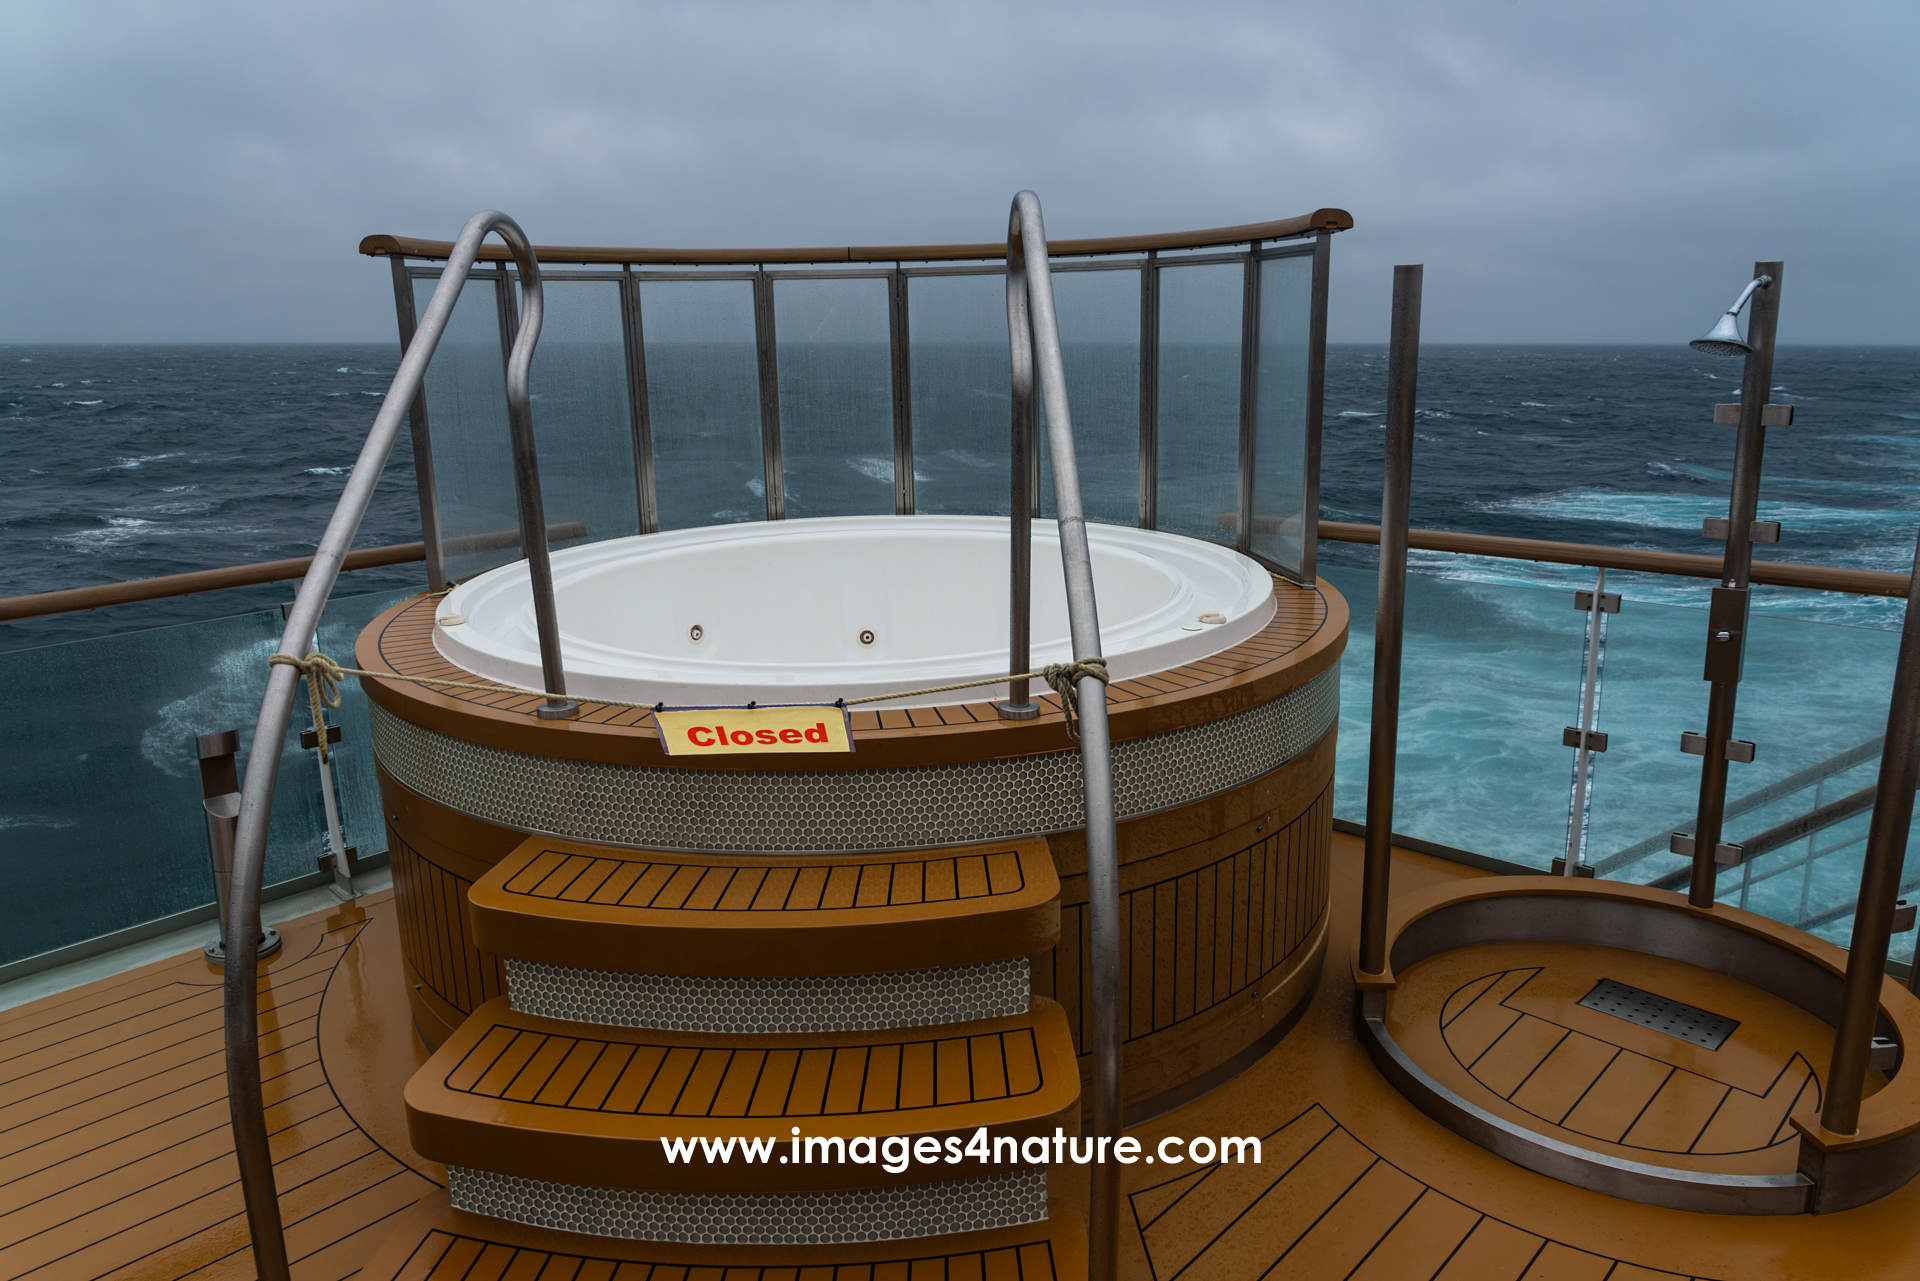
{"type": "Point", "coordinates": [835, 1003]}
{"type": "Point", "coordinates": [820, 811]}
{"type": "Point", "coordinates": [789, 1218]}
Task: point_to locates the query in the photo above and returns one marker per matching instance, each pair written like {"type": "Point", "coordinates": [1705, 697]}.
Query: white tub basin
{"type": "Point", "coordinates": [802, 611]}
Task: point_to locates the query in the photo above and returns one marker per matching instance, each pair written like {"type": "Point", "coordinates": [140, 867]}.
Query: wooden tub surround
{"type": "Point", "coordinates": [608, 947]}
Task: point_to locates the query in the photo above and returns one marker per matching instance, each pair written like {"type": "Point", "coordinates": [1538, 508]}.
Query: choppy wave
{"type": "Point", "coordinates": [35, 820]}
{"type": "Point", "coordinates": [1685, 511]}
{"type": "Point", "coordinates": [116, 531]}
{"type": "Point", "coordinates": [231, 696]}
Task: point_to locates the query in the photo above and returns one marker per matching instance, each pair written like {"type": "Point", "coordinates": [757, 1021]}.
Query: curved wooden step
{"type": "Point", "coordinates": [435, 1242]}
{"type": "Point", "coordinates": [587, 1105]}
{"type": "Point", "coordinates": [597, 907]}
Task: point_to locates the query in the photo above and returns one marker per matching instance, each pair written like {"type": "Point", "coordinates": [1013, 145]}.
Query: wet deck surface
{"type": "Point", "coordinates": [115, 1154]}
{"type": "Point", "coordinates": [116, 1160]}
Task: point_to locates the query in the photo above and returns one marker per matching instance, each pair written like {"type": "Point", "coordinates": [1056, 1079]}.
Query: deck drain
{"type": "Point", "coordinates": [1660, 1013]}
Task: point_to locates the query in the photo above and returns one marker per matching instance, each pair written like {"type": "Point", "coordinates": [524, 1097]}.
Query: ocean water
{"type": "Point", "coordinates": [129, 462]}
{"type": "Point", "coordinates": [121, 462]}
{"type": "Point", "coordinates": [124, 462]}
{"type": "Point", "coordinates": [1615, 445]}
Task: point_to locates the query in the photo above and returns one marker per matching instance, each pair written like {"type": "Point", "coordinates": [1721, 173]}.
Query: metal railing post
{"type": "Point", "coordinates": [1879, 882]}
{"type": "Point", "coordinates": [220, 799]}
{"type": "Point", "coordinates": [1580, 806]}
{"type": "Point", "coordinates": [1150, 390]}
{"type": "Point", "coordinates": [639, 409]}
{"type": "Point", "coordinates": [1020, 705]}
{"type": "Point", "coordinates": [1727, 615]}
{"type": "Point", "coordinates": [1249, 398]}
{"type": "Point", "coordinates": [1316, 406]}
{"type": "Point", "coordinates": [766, 350]}
{"type": "Point", "coordinates": [1389, 625]}
{"type": "Point", "coordinates": [900, 365]}
{"type": "Point", "coordinates": [404, 310]}
{"type": "Point", "coordinates": [242, 925]}
{"type": "Point", "coordinates": [1027, 260]}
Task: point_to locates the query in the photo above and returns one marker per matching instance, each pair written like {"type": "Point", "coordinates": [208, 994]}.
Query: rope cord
{"type": "Point", "coordinates": [323, 686]}
{"type": "Point", "coordinates": [1065, 678]}
{"type": "Point", "coordinates": [322, 671]}
{"type": "Point", "coordinates": [323, 677]}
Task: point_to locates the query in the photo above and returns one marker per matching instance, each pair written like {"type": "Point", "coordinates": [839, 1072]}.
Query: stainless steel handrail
{"type": "Point", "coordinates": [1033, 331]}
{"type": "Point", "coordinates": [242, 926]}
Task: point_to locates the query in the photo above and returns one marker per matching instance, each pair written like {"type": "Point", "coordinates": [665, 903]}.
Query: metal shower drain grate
{"type": "Point", "coordinates": [1660, 1013]}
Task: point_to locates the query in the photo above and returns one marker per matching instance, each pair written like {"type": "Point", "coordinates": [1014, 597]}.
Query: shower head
{"type": "Point", "coordinates": [1724, 338]}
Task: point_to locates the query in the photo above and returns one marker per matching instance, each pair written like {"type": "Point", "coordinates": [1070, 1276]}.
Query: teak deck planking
{"type": "Point", "coordinates": [116, 1157]}
{"type": "Point", "coordinates": [116, 1161]}
{"type": "Point", "coordinates": [593, 907]}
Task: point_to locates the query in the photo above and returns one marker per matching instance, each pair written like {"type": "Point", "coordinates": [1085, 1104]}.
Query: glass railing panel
{"type": "Point", "coordinates": [1809, 692]}
{"type": "Point", "coordinates": [1280, 411]}
{"type": "Point", "coordinates": [959, 373]}
{"type": "Point", "coordinates": [582, 415]}
{"type": "Point", "coordinates": [357, 790]}
{"type": "Point", "coordinates": [1199, 409]}
{"type": "Point", "coordinates": [1490, 680]}
{"type": "Point", "coordinates": [466, 394]}
{"type": "Point", "coordinates": [1099, 315]}
{"type": "Point", "coordinates": [836, 396]}
{"type": "Point", "coordinates": [703, 401]}
{"type": "Point", "coordinates": [1813, 700]}
{"type": "Point", "coordinates": [101, 828]}
{"type": "Point", "coordinates": [1486, 677]}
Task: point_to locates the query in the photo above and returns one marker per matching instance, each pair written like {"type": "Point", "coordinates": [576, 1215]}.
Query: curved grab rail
{"type": "Point", "coordinates": [242, 926]}
{"type": "Point", "coordinates": [1034, 333]}
{"type": "Point", "coordinates": [1277, 229]}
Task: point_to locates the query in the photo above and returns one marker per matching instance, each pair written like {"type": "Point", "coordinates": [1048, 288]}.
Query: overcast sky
{"type": "Point", "coordinates": [1591, 172]}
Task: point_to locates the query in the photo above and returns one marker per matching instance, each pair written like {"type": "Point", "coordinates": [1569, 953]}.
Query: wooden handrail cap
{"type": "Point", "coordinates": [1282, 229]}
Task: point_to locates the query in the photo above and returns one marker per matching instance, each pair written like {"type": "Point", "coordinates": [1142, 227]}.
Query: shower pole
{"type": "Point", "coordinates": [1389, 624]}
{"type": "Point", "coordinates": [1727, 612]}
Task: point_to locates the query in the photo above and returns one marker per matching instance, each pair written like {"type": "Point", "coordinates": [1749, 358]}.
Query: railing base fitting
{"type": "Point", "coordinates": [270, 940]}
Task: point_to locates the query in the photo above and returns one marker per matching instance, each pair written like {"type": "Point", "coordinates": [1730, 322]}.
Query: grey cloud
{"type": "Point", "coordinates": [1567, 173]}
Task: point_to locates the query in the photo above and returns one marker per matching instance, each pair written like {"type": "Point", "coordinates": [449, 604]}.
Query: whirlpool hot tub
{"type": "Point", "coordinates": [1224, 709]}
{"type": "Point", "coordinates": [806, 611]}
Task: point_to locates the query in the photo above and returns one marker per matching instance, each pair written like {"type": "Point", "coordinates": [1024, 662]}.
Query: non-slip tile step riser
{"type": "Point", "coordinates": [749, 1006]}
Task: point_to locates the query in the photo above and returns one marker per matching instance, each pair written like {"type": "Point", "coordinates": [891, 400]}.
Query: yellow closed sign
{"type": "Point", "coordinates": [731, 731]}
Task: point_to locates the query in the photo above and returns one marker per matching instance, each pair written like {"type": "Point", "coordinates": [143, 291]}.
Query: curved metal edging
{"type": "Point", "coordinates": [242, 926]}
{"type": "Point", "coordinates": [1036, 348]}
{"type": "Point", "coordinates": [1724, 940]}
{"type": "Point", "coordinates": [1678, 1189]}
